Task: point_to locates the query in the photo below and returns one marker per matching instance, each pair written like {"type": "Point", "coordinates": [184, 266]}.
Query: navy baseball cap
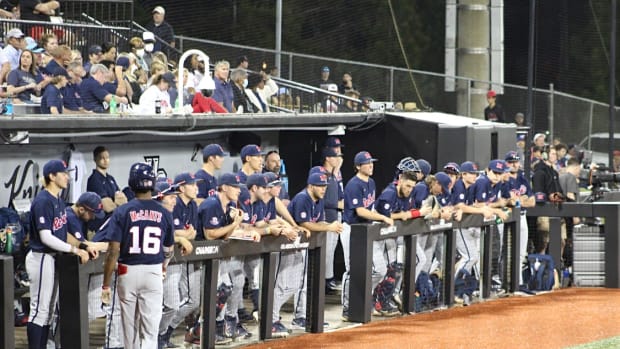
{"type": "Point", "coordinates": [123, 62]}
{"type": "Point", "coordinates": [325, 69]}
{"type": "Point", "coordinates": [230, 179]}
{"type": "Point", "coordinates": [94, 49]}
{"type": "Point", "coordinates": [250, 150]}
{"type": "Point", "coordinates": [92, 202]}
{"type": "Point", "coordinates": [55, 166]}
{"type": "Point", "coordinates": [163, 188]}
{"type": "Point", "coordinates": [469, 167]}
{"type": "Point", "coordinates": [452, 168]}
{"type": "Point", "coordinates": [444, 180]}
{"type": "Point", "coordinates": [212, 150]}
{"type": "Point", "coordinates": [186, 178]}
{"type": "Point", "coordinates": [512, 156]}
{"type": "Point", "coordinates": [333, 142]}
{"type": "Point", "coordinates": [59, 71]}
{"type": "Point", "coordinates": [330, 153]}
{"type": "Point", "coordinates": [317, 169]}
{"type": "Point", "coordinates": [363, 157]}
{"type": "Point", "coordinates": [498, 166]}
{"type": "Point", "coordinates": [317, 179]}
{"type": "Point", "coordinates": [257, 179]}
{"type": "Point", "coordinates": [272, 179]}
{"type": "Point", "coordinates": [169, 78]}
{"type": "Point", "coordinates": [425, 166]}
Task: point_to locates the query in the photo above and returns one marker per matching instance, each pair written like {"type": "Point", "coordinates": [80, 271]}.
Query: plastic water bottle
{"type": "Point", "coordinates": [9, 239]}
{"type": "Point", "coordinates": [9, 106]}
{"type": "Point", "coordinates": [113, 105]}
{"type": "Point", "coordinates": [283, 176]}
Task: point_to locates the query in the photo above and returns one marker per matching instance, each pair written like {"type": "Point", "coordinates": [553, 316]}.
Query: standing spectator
{"type": "Point", "coordinates": [255, 83]}
{"type": "Point", "coordinates": [149, 46]}
{"type": "Point", "coordinates": [347, 84]}
{"type": "Point", "coordinates": [38, 10]}
{"type": "Point", "coordinates": [240, 98]}
{"type": "Point", "coordinates": [94, 94]}
{"type": "Point", "coordinates": [52, 101]}
{"type": "Point", "coordinates": [223, 93]}
{"type": "Point", "coordinates": [324, 77]}
{"type": "Point", "coordinates": [539, 140]}
{"type": "Point", "coordinates": [94, 57]}
{"type": "Point", "coordinates": [561, 150]}
{"type": "Point", "coordinates": [27, 80]}
{"type": "Point", "coordinates": [520, 119]}
{"type": "Point", "coordinates": [49, 42]}
{"type": "Point", "coordinates": [243, 63]}
{"type": "Point", "coordinates": [269, 89]}
{"type": "Point", "coordinates": [162, 29]}
{"type": "Point", "coordinates": [493, 112]}
{"type": "Point", "coordinates": [104, 184]}
{"type": "Point", "coordinates": [9, 57]}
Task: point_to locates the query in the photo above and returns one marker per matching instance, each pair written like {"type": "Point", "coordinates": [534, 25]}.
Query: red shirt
{"type": "Point", "coordinates": [202, 104]}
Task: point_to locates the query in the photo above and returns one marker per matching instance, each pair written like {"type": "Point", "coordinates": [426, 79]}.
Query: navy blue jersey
{"type": "Point", "coordinates": [483, 191]}
{"type": "Point", "coordinates": [358, 193]}
{"type": "Point", "coordinates": [270, 212]}
{"type": "Point", "coordinates": [211, 215]}
{"type": "Point", "coordinates": [520, 185]}
{"type": "Point", "coordinates": [103, 234]}
{"type": "Point", "coordinates": [304, 209]}
{"type": "Point", "coordinates": [208, 186]}
{"type": "Point", "coordinates": [419, 193]}
{"type": "Point", "coordinates": [184, 215]}
{"type": "Point", "coordinates": [52, 97]}
{"type": "Point", "coordinates": [463, 195]}
{"type": "Point", "coordinates": [105, 186]}
{"type": "Point", "coordinates": [71, 96]}
{"type": "Point", "coordinates": [75, 226]}
{"type": "Point", "coordinates": [389, 201]}
{"type": "Point", "coordinates": [252, 212]}
{"type": "Point", "coordinates": [333, 194]}
{"type": "Point", "coordinates": [47, 212]}
{"type": "Point", "coordinates": [93, 94]}
{"type": "Point", "coordinates": [143, 228]}
{"type": "Point", "coordinates": [503, 190]}
{"type": "Point", "coordinates": [444, 199]}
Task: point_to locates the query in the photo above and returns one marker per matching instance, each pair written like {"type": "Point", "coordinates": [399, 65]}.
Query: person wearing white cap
{"type": "Point", "coordinates": [9, 57]}
{"type": "Point", "coordinates": [37, 10]}
{"type": "Point", "coordinates": [162, 29]}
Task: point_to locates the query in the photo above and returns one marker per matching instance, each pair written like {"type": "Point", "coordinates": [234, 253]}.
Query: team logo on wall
{"type": "Point", "coordinates": [153, 161]}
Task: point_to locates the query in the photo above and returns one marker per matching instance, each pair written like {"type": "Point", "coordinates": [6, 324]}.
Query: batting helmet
{"type": "Point", "coordinates": [141, 177]}
{"type": "Point", "coordinates": [408, 164]}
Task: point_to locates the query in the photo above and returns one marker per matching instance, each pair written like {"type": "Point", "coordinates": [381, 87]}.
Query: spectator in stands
{"type": "Point", "coordinates": [189, 88]}
{"type": "Point", "coordinates": [149, 46]}
{"type": "Point", "coordinates": [202, 102]}
{"type": "Point", "coordinates": [161, 29]}
{"type": "Point", "coordinates": [520, 119]}
{"type": "Point", "coordinates": [37, 10]}
{"type": "Point", "coordinates": [157, 91]}
{"type": "Point", "coordinates": [243, 63]}
{"type": "Point", "coordinates": [33, 46]}
{"type": "Point", "coordinates": [71, 93]}
{"type": "Point", "coordinates": [52, 100]}
{"type": "Point", "coordinates": [49, 42]}
{"type": "Point", "coordinates": [223, 93]}
{"type": "Point", "coordinates": [561, 150]}
{"type": "Point", "coordinates": [61, 56]}
{"type": "Point", "coordinates": [539, 139]}
{"type": "Point", "coordinates": [324, 77]}
{"type": "Point", "coordinates": [346, 84]}
{"type": "Point", "coordinates": [124, 87]}
{"type": "Point", "coordinates": [256, 83]}
{"type": "Point", "coordinates": [493, 112]}
{"type": "Point", "coordinates": [10, 56]}
{"type": "Point", "coordinates": [269, 89]}
{"type": "Point", "coordinates": [240, 99]}
{"type": "Point", "coordinates": [94, 94]}
{"type": "Point", "coordinates": [27, 80]}
{"type": "Point", "coordinates": [94, 56]}
{"type": "Point", "coordinates": [76, 56]}
{"type": "Point", "coordinates": [137, 48]}
{"type": "Point", "coordinates": [109, 51]}
{"type": "Point", "coordinates": [349, 105]}
{"type": "Point", "coordinates": [196, 67]}
{"type": "Point", "coordinates": [7, 10]}
{"type": "Point", "coordinates": [569, 180]}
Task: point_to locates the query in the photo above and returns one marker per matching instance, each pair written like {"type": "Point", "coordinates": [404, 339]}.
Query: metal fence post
{"type": "Point", "coordinates": [590, 121]}
{"type": "Point", "coordinates": [360, 272]}
{"type": "Point", "coordinates": [266, 295]}
{"type": "Point", "coordinates": [72, 301]}
{"type": "Point", "coordinates": [468, 89]}
{"type": "Point", "coordinates": [515, 260]}
{"type": "Point", "coordinates": [391, 84]}
{"type": "Point", "coordinates": [7, 331]}
{"type": "Point", "coordinates": [210, 271]}
{"type": "Point", "coordinates": [487, 233]}
{"type": "Point", "coordinates": [409, 273]}
{"type": "Point", "coordinates": [316, 286]}
{"type": "Point", "coordinates": [551, 112]}
{"type": "Point", "coordinates": [555, 238]}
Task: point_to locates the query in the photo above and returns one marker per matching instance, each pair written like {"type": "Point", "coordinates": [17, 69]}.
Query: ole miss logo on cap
{"type": "Point", "coordinates": [238, 179]}
{"type": "Point", "coordinates": [500, 166]}
{"type": "Point", "coordinates": [323, 178]}
{"type": "Point", "coordinates": [367, 155]}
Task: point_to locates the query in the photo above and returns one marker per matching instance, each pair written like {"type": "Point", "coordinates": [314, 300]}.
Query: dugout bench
{"type": "Point", "coordinates": [74, 277]}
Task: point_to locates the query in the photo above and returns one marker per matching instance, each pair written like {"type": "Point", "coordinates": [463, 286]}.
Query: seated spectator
{"type": "Point", "coordinates": [161, 58]}
{"type": "Point", "coordinates": [202, 102]}
{"type": "Point", "coordinates": [34, 47]}
{"type": "Point", "coordinates": [240, 99]}
{"type": "Point", "coordinates": [93, 94]}
{"type": "Point", "coordinates": [269, 89]}
{"type": "Point", "coordinates": [10, 55]}
{"type": "Point", "coordinates": [124, 62]}
{"type": "Point", "coordinates": [52, 100]}
{"type": "Point", "coordinates": [346, 84]}
{"type": "Point", "coordinates": [61, 56]}
{"type": "Point", "coordinates": [223, 93]}
{"type": "Point", "coordinates": [137, 48]}
{"type": "Point", "coordinates": [108, 51]}
{"type": "Point", "coordinates": [349, 105]}
{"type": "Point", "coordinates": [95, 53]}
{"type": "Point", "coordinates": [157, 68]}
{"type": "Point", "coordinates": [76, 56]}
{"type": "Point", "coordinates": [49, 42]}
{"type": "Point", "coordinates": [26, 80]}
{"type": "Point", "coordinates": [149, 45]}
{"type": "Point", "coordinates": [196, 67]}
{"type": "Point", "coordinates": [158, 91]}
{"type": "Point", "coordinates": [256, 82]}
{"type": "Point", "coordinates": [71, 93]}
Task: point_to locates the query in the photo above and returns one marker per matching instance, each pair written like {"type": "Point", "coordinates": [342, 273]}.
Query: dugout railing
{"type": "Point", "coordinates": [73, 292]}
{"type": "Point", "coordinates": [363, 236]}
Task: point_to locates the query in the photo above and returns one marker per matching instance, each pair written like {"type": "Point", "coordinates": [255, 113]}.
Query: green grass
{"type": "Point", "coordinates": [607, 343]}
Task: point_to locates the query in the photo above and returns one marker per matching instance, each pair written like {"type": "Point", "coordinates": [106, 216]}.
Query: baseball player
{"type": "Point", "coordinates": [521, 195]}
{"type": "Point", "coordinates": [395, 202]}
{"type": "Point", "coordinates": [102, 183]}
{"type": "Point", "coordinates": [468, 239]}
{"type": "Point", "coordinates": [142, 242]}
{"type": "Point", "coordinates": [334, 195]}
{"type": "Point", "coordinates": [359, 200]}
{"type": "Point", "coordinates": [307, 208]}
{"type": "Point", "coordinates": [212, 160]}
{"type": "Point", "coordinates": [48, 237]}
{"type": "Point", "coordinates": [220, 219]}
{"type": "Point", "coordinates": [182, 283]}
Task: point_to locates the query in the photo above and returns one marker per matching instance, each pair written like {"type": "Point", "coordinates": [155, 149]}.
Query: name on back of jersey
{"type": "Point", "coordinates": [145, 215]}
